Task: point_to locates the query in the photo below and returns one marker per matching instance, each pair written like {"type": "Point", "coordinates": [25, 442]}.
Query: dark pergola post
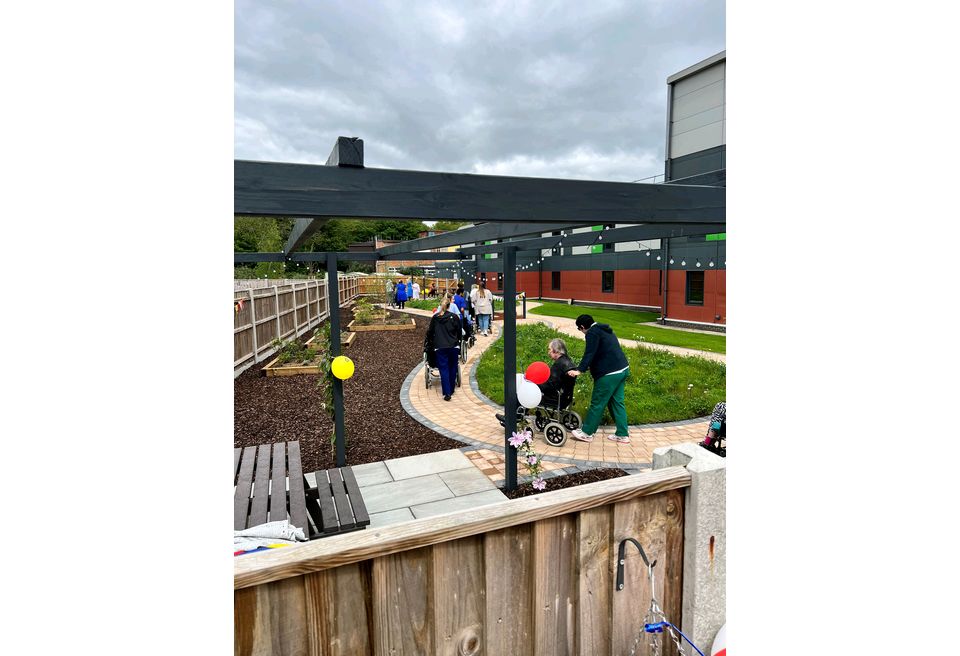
{"type": "Point", "coordinates": [510, 362]}
{"type": "Point", "coordinates": [333, 307]}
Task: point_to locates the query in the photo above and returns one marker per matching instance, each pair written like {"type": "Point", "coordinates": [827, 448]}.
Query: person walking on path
{"type": "Point", "coordinates": [401, 294]}
{"type": "Point", "coordinates": [483, 304]}
{"type": "Point", "coordinates": [443, 336]}
{"type": "Point", "coordinates": [608, 365]}
{"type": "Point", "coordinates": [391, 296]}
{"type": "Point", "coordinates": [416, 290]}
{"type": "Point", "coordinates": [410, 289]}
{"type": "Point", "coordinates": [460, 300]}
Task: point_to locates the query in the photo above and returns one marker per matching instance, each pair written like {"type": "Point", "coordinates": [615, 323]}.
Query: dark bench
{"type": "Point", "coordinates": [260, 475]}
{"type": "Point", "coordinates": [332, 506]}
{"type": "Point", "coordinates": [335, 504]}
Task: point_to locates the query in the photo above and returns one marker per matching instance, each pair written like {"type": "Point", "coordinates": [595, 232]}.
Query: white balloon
{"type": "Point", "coordinates": [521, 379]}
{"type": "Point", "coordinates": [529, 395]}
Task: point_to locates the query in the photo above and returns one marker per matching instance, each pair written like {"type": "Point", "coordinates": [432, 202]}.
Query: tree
{"type": "Point", "coordinates": [446, 224]}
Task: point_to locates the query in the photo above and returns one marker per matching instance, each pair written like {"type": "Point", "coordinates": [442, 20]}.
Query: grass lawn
{"type": "Point", "coordinates": [631, 324]}
{"type": "Point", "coordinates": [659, 388]}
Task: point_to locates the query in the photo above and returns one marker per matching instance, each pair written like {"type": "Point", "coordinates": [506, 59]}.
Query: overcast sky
{"type": "Point", "coordinates": [571, 89]}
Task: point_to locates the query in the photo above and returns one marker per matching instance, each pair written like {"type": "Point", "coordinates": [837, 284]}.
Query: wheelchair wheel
{"type": "Point", "coordinates": [463, 352]}
{"type": "Point", "coordinates": [426, 376]}
{"type": "Point", "coordinates": [554, 434]}
{"type": "Point", "coordinates": [458, 376]}
{"type": "Point", "coordinates": [541, 419]}
{"type": "Point", "coordinates": [571, 420]}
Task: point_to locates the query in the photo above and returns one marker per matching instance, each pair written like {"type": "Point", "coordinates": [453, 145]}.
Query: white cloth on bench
{"type": "Point", "coordinates": [262, 535]}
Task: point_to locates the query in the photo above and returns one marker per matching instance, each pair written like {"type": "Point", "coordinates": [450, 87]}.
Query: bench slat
{"type": "Point", "coordinates": [344, 512]}
{"type": "Point", "coordinates": [236, 463]}
{"type": "Point", "coordinates": [298, 504]}
{"type": "Point", "coordinates": [278, 483]}
{"type": "Point", "coordinates": [325, 499]}
{"type": "Point", "coordinates": [241, 496]}
{"type": "Point", "coordinates": [356, 500]}
{"type": "Point", "coordinates": [261, 488]}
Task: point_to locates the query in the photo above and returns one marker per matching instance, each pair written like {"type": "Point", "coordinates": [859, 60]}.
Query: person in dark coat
{"type": "Point", "coordinates": [610, 369]}
{"type": "Point", "coordinates": [401, 294]}
{"type": "Point", "coordinates": [443, 336]}
{"type": "Point", "coordinates": [557, 390]}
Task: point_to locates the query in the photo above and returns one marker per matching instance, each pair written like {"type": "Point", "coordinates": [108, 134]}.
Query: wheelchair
{"type": "Point", "coordinates": [554, 421]}
{"type": "Point", "coordinates": [467, 340]}
{"type": "Point", "coordinates": [431, 374]}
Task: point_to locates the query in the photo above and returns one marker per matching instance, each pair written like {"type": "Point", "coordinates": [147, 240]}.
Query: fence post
{"type": "Point", "coordinates": [276, 307]}
{"type": "Point", "coordinates": [253, 318]}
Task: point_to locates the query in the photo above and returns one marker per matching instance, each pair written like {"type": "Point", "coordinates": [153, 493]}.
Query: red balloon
{"type": "Point", "coordinates": [538, 372]}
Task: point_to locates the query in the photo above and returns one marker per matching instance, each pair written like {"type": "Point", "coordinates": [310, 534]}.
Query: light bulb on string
{"type": "Point", "coordinates": [658, 258]}
{"type": "Point", "coordinates": [698, 264]}
{"type": "Point", "coordinates": [711, 262]}
{"type": "Point", "coordinates": [683, 263]}
{"type": "Point", "coordinates": [671, 260]}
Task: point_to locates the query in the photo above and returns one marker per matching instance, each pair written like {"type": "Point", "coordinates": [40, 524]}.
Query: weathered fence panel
{"type": "Point", "coordinates": [531, 576]}
{"type": "Point", "coordinates": [286, 309]}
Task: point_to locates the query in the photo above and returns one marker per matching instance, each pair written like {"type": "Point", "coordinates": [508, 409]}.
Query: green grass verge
{"type": "Point", "coordinates": [631, 324]}
{"type": "Point", "coordinates": [423, 304]}
{"type": "Point", "coordinates": [659, 388]}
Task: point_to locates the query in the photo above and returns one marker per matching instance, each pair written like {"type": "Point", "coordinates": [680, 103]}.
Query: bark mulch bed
{"type": "Point", "coordinates": [569, 480]}
{"type": "Point", "coordinates": [287, 408]}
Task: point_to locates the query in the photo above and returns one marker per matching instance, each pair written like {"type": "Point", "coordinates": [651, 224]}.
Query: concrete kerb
{"type": "Point", "coordinates": [704, 541]}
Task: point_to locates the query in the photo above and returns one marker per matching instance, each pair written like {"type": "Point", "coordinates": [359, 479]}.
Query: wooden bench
{"type": "Point", "coordinates": [260, 475]}
{"type": "Point", "coordinates": [269, 486]}
{"type": "Point", "coordinates": [335, 504]}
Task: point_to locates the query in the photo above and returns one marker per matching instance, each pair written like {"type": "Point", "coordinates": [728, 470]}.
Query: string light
{"type": "Point", "coordinates": [711, 262]}
{"type": "Point", "coordinates": [698, 264]}
{"type": "Point", "coordinates": [683, 263]}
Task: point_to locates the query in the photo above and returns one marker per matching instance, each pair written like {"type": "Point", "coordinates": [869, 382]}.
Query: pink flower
{"type": "Point", "coordinates": [532, 460]}
{"type": "Point", "coordinates": [517, 440]}
{"type": "Point", "coordinates": [539, 484]}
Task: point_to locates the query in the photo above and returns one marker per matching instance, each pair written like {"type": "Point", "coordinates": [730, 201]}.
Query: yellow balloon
{"type": "Point", "coordinates": [342, 367]}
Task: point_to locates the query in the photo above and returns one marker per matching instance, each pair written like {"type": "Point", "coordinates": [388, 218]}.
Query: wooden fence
{"type": "Point", "coordinates": [532, 576]}
{"type": "Point", "coordinates": [285, 310]}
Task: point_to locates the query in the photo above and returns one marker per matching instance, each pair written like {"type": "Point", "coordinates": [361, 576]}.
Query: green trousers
{"type": "Point", "coordinates": [607, 393]}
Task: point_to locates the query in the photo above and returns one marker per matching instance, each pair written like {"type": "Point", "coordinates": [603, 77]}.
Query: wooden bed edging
{"type": "Point", "coordinates": [278, 564]}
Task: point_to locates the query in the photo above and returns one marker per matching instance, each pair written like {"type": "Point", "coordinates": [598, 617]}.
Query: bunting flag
{"type": "Point", "coordinates": [237, 305]}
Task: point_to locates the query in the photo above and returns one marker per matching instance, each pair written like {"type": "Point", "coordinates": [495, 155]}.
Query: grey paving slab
{"type": "Point", "coordinates": [372, 473]}
{"type": "Point", "coordinates": [378, 520]}
{"type": "Point", "coordinates": [465, 502]}
{"type": "Point", "coordinates": [408, 492]}
{"type": "Point", "coordinates": [467, 481]}
{"type": "Point", "coordinates": [428, 463]}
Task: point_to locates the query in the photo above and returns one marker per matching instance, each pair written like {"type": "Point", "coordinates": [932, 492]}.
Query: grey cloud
{"type": "Point", "coordinates": [567, 89]}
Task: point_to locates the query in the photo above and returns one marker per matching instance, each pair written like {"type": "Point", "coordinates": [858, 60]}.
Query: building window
{"type": "Point", "coordinates": [559, 251]}
{"type": "Point", "coordinates": [607, 281]}
{"type": "Point", "coordinates": [555, 280]}
{"type": "Point", "coordinates": [500, 280]}
{"type": "Point", "coordinates": [608, 247]}
{"type": "Point", "coordinates": [694, 287]}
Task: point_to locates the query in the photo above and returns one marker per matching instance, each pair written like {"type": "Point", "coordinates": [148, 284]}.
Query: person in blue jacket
{"type": "Point", "coordinates": [401, 294]}
{"type": "Point", "coordinates": [460, 300]}
{"type": "Point", "coordinates": [610, 369]}
{"type": "Point", "coordinates": [410, 289]}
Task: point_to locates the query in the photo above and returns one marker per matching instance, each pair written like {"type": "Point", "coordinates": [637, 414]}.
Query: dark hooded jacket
{"type": "Point", "coordinates": [444, 331]}
{"type": "Point", "coordinates": [559, 383]}
{"type": "Point", "coordinates": [603, 354]}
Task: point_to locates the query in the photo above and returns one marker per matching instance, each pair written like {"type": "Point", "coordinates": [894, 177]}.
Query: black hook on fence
{"type": "Point", "coordinates": [621, 555]}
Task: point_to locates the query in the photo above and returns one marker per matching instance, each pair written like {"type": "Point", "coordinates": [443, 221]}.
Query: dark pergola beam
{"type": "Point", "coordinates": [321, 256]}
{"type": "Point", "coordinates": [306, 190]}
{"type": "Point", "coordinates": [303, 229]}
{"type": "Point", "coordinates": [476, 235]}
{"type": "Point", "coordinates": [611, 236]}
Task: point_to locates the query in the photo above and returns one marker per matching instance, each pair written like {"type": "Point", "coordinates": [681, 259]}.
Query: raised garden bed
{"type": "Point", "coordinates": [404, 323]}
{"type": "Point", "coordinates": [346, 339]}
{"type": "Point", "coordinates": [273, 368]}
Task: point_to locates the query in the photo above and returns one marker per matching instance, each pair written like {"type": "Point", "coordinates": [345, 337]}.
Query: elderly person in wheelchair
{"type": "Point", "coordinates": [552, 416]}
